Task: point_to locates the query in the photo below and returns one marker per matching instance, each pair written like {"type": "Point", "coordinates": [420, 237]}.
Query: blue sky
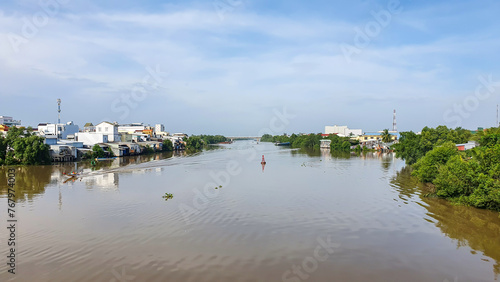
{"type": "Point", "coordinates": [227, 66]}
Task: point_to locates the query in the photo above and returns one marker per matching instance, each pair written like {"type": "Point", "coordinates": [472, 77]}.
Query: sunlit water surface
{"type": "Point", "coordinates": [264, 224]}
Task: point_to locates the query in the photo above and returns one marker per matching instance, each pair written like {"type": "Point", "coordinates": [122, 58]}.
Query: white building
{"type": "Point", "coordinates": [109, 129]}
{"type": "Point", "coordinates": [105, 132]}
{"type": "Point", "coordinates": [342, 131]}
{"type": "Point", "coordinates": [159, 128]}
{"type": "Point", "coordinates": [131, 128]}
{"type": "Point", "coordinates": [91, 138]}
{"type": "Point", "coordinates": [9, 121]}
{"type": "Point", "coordinates": [61, 130]}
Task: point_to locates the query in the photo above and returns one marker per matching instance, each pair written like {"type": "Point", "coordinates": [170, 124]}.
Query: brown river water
{"type": "Point", "coordinates": [304, 216]}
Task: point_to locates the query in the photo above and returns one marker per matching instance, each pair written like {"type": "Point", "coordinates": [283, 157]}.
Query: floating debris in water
{"type": "Point", "coordinates": [168, 196]}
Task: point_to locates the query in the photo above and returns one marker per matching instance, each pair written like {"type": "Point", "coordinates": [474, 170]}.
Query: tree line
{"type": "Point", "coordinates": [197, 142]}
{"type": "Point", "coordinates": [470, 177]}
{"type": "Point", "coordinates": [22, 147]}
{"type": "Point", "coordinates": [312, 141]}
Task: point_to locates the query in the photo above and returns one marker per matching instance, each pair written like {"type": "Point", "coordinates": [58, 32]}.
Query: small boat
{"type": "Point", "coordinates": [104, 159]}
{"type": "Point", "coordinates": [283, 144]}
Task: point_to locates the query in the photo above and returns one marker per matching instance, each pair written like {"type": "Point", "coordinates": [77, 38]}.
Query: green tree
{"type": "Point", "coordinates": [167, 145]}
{"type": "Point", "coordinates": [21, 147]}
{"type": "Point", "coordinates": [412, 147]}
{"type": "Point", "coordinates": [427, 168]}
{"type": "Point", "coordinates": [194, 143]}
{"type": "Point", "coordinates": [266, 138]}
{"type": "Point", "coordinates": [97, 152]}
{"type": "Point", "coordinates": [386, 136]}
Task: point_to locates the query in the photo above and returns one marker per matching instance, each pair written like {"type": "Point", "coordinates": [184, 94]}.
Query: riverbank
{"type": "Point", "coordinates": [469, 177]}
{"type": "Point", "coordinates": [21, 146]}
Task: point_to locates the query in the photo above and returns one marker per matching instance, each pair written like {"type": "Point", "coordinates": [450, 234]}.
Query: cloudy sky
{"type": "Point", "coordinates": [228, 66]}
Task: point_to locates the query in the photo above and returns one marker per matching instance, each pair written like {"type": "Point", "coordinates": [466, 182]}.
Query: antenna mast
{"type": "Point", "coordinates": [58, 111]}
{"type": "Point", "coordinates": [394, 127]}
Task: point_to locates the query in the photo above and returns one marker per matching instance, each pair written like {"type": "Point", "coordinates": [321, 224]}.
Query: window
{"type": "Point", "coordinates": [99, 129]}
{"type": "Point", "coordinates": [106, 129]}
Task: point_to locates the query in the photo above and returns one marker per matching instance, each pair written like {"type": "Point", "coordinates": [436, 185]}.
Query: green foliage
{"type": "Point", "coordinates": [312, 140]}
{"type": "Point", "coordinates": [194, 143]}
{"type": "Point", "coordinates": [305, 141]}
{"type": "Point", "coordinates": [386, 136]}
{"type": "Point", "coordinates": [21, 147]}
{"type": "Point", "coordinates": [97, 152]}
{"type": "Point", "coordinates": [471, 178]}
{"type": "Point", "coordinates": [266, 138]}
{"type": "Point", "coordinates": [211, 139]}
{"type": "Point", "coordinates": [412, 147]}
{"type": "Point", "coordinates": [110, 152]}
{"type": "Point", "coordinates": [147, 150]}
{"type": "Point", "coordinates": [197, 142]}
{"type": "Point", "coordinates": [489, 140]}
{"type": "Point", "coordinates": [427, 168]}
{"type": "Point", "coordinates": [168, 196]}
{"type": "Point", "coordinates": [167, 145]}
{"type": "Point", "coordinates": [340, 143]}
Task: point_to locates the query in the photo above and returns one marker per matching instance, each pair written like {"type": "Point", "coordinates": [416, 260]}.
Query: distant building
{"type": "Point", "coordinates": [134, 137]}
{"type": "Point", "coordinates": [89, 139]}
{"type": "Point", "coordinates": [105, 132]}
{"type": "Point", "coordinates": [159, 128]}
{"type": "Point", "coordinates": [88, 127]}
{"type": "Point", "coordinates": [375, 136]}
{"type": "Point", "coordinates": [467, 146]}
{"type": "Point", "coordinates": [61, 130]}
{"type": "Point", "coordinates": [109, 129]}
{"type": "Point", "coordinates": [342, 131]}
{"type": "Point", "coordinates": [325, 143]}
{"type": "Point", "coordinates": [9, 121]}
{"type": "Point", "coordinates": [131, 128]}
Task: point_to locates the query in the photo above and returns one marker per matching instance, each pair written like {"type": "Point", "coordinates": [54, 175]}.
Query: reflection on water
{"type": "Point", "coordinates": [32, 180]}
{"type": "Point", "coordinates": [265, 220]}
{"type": "Point", "coordinates": [470, 227]}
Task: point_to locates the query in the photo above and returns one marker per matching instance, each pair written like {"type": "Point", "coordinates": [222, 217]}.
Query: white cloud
{"type": "Point", "coordinates": [238, 66]}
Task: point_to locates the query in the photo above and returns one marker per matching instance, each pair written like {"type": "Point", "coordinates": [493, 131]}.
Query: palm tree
{"type": "Point", "coordinates": [386, 136]}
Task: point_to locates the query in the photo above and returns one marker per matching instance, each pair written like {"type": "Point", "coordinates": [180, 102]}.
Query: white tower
{"type": "Point", "coordinates": [58, 111]}
{"type": "Point", "coordinates": [394, 127]}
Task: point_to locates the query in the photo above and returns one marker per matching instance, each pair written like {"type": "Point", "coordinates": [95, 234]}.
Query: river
{"type": "Point", "coordinates": [304, 216]}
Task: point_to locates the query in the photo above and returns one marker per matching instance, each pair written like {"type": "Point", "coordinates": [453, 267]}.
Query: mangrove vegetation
{"type": "Point", "coordinates": [470, 177]}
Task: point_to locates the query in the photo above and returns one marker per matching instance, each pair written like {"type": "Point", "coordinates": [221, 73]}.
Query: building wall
{"type": "Point", "coordinates": [9, 121]}
{"type": "Point", "coordinates": [368, 137]}
{"type": "Point", "coordinates": [91, 138]}
{"type": "Point", "coordinates": [109, 129]}
{"type": "Point", "coordinates": [62, 130]}
{"type": "Point", "coordinates": [159, 128]}
{"type": "Point", "coordinates": [335, 129]}
{"type": "Point", "coordinates": [343, 130]}
{"type": "Point", "coordinates": [130, 128]}
{"type": "Point", "coordinates": [355, 132]}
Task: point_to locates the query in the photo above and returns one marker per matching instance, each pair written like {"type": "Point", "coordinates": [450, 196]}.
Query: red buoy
{"type": "Point", "coordinates": [263, 160]}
